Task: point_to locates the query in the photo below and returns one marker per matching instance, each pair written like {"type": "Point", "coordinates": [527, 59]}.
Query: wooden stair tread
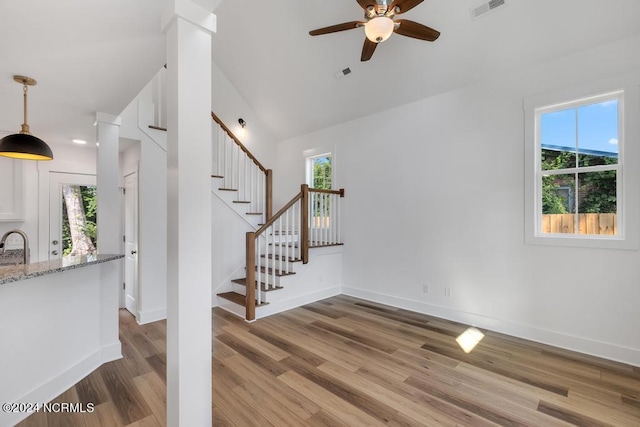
{"type": "Point", "coordinates": [217, 176]}
{"type": "Point", "coordinates": [237, 298]}
{"type": "Point", "coordinates": [289, 244]}
{"type": "Point", "coordinates": [241, 201]}
{"type": "Point", "coordinates": [254, 213]}
{"type": "Point", "coordinates": [277, 257]}
{"type": "Point", "coordinates": [279, 273]}
{"type": "Point", "coordinates": [312, 245]}
{"type": "Point", "coordinates": [263, 286]}
{"type": "Point", "coordinates": [228, 189]}
{"type": "Point", "coordinates": [157, 128]}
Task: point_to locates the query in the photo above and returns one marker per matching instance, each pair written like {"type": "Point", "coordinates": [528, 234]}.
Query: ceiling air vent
{"type": "Point", "coordinates": [344, 72]}
{"type": "Point", "coordinates": [485, 8]}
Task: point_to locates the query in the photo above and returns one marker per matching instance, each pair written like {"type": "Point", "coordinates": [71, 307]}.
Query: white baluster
{"type": "Point", "coordinates": [334, 202]}
{"type": "Point", "coordinates": [323, 230]}
{"type": "Point", "coordinates": [338, 203]}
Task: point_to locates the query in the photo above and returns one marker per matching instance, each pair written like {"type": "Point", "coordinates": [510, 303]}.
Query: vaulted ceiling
{"type": "Point", "coordinates": [96, 55]}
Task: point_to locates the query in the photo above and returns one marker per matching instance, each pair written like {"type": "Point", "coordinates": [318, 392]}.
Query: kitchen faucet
{"type": "Point", "coordinates": [25, 241]}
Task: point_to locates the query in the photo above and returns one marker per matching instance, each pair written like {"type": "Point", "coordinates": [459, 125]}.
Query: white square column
{"type": "Point", "coordinates": [109, 216]}
{"type": "Point", "coordinates": [189, 28]}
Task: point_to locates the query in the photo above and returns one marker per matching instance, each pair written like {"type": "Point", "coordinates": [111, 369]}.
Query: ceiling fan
{"type": "Point", "coordinates": [379, 23]}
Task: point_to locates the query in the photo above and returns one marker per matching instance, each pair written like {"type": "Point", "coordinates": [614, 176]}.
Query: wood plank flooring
{"type": "Point", "coordinates": [348, 362]}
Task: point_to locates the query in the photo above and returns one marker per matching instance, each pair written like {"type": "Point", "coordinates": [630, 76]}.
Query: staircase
{"type": "Point", "coordinates": [278, 248]}
{"type": "Point", "coordinates": [238, 178]}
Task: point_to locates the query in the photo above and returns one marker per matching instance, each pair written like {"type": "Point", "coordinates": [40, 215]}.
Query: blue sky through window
{"type": "Point", "coordinates": [596, 126]}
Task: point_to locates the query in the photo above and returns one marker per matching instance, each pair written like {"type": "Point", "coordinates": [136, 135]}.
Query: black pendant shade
{"type": "Point", "coordinates": [23, 145]}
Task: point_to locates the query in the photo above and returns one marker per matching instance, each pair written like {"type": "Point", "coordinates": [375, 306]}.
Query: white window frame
{"type": "Point", "coordinates": [310, 155]}
{"type": "Point", "coordinates": [628, 184]}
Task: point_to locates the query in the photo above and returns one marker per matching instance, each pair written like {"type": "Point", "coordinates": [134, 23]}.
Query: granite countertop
{"type": "Point", "coordinates": [11, 257]}
{"type": "Point", "coordinates": [17, 272]}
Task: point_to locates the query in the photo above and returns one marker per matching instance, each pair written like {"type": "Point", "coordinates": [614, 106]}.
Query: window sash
{"type": "Point", "coordinates": [618, 96]}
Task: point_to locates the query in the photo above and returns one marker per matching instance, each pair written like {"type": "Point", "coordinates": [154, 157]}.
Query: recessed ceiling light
{"type": "Point", "coordinates": [79, 141]}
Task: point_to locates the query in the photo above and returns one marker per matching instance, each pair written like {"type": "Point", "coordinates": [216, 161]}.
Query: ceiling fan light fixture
{"type": "Point", "coordinates": [379, 29]}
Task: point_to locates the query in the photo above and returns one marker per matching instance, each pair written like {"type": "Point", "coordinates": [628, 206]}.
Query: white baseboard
{"type": "Point", "coordinates": [280, 306]}
{"type": "Point", "coordinates": [53, 387]}
{"type": "Point", "coordinates": [111, 352]}
{"type": "Point", "coordinates": [145, 317]}
{"type": "Point", "coordinates": [582, 345]}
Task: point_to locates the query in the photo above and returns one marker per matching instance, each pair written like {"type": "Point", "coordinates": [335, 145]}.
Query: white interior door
{"type": "Point", "coordinates": [131, 243]}
{"type": "Point", "coordinates": [56, 181]}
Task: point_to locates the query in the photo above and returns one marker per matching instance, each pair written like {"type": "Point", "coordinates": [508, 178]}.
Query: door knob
{"type": "Point", "coordinates": [54, 252]}
{"type": "Point", "coordinates": [55, 242]}
{"type": "Point", "coordinates": [134, 252]}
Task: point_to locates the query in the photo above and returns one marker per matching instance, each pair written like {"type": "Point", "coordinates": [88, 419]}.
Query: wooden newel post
{"type": "Point", "coordinates": [304, 223]}
{"type": "Point", "coordinates": [269, 194]}
{"type": "Point", "coordinates": [250, 281]}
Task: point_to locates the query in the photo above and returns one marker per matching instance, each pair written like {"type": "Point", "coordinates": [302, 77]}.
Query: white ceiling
{"type": "Point", "coordinates": [95, 55]}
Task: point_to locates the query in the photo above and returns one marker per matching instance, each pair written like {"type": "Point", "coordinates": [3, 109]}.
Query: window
{"type": "Point", "coordinates": [581, 178]}
{"type": "Point", "coordinates": [319, 171]}
{"type": "Point", "coordinates": [578, 164]}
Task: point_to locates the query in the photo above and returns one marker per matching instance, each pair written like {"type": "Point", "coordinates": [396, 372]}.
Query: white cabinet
{"type": "Point", "coordinates": [12, 189]}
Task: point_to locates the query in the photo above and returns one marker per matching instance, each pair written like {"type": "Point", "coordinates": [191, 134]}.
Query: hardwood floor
{"type": "Point", "coordinates": [348, 362]}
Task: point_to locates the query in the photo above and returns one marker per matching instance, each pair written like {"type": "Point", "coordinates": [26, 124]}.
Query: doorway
{"type": "Point", "coordinates": [131, 243]}
{"type": "Point", "coordinates": [72, 215]}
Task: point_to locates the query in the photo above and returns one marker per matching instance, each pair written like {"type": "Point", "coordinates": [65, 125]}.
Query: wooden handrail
{"type": "Point", "coordinates": [238, 143]}
{"type": "Point", "coordinates": [278, 214]}
{"type": "Point", "coordinates": [320, 190]}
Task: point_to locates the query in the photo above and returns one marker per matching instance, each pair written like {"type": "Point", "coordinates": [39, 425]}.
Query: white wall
{"type": "Point", "coordinates": [229, 106]}
{"type": "Point", "coordinates": [129, 160]}
{"type": "Point", "coordinates": [435, 196]}
{"type": "Point", "coordinates": [228, 231]}
{"type": "Point", "coordinates": [64, 333]}
{"type": "Point", "coordinates": [148, 155]}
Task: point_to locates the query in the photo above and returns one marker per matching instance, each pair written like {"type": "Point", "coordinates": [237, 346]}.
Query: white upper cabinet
{"type": "Point", "coordinates": [12, 188]}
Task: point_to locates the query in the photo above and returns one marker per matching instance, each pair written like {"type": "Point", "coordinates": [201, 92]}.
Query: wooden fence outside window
{"type": "Point", "coordinates": [590, 223]}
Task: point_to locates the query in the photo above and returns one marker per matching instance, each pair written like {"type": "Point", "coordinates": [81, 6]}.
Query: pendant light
{"type": "Point", "coordinates": [23, 145]}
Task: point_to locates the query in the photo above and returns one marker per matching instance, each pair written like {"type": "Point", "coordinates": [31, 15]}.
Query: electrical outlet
{"type": "Point", "coordinates": [425, 288]}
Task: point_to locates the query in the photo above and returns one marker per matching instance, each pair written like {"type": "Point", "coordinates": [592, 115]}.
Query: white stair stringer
{"type": "Point", "coordinates": [318, 279]}
{"type": "Point", "coordinates": [241, 209]}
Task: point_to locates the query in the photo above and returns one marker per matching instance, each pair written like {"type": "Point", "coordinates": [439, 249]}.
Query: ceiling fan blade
{"type": "Point", "coordinates": [335, 28]}
{"type": "Point", "coordinates": [415, 30]}
{"type": "Point", "coordinates": [405, 5]}
{"type": "Point", "coordinates": [368, 49]}
{"type": "Point", "coordinates": [366, 3]}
